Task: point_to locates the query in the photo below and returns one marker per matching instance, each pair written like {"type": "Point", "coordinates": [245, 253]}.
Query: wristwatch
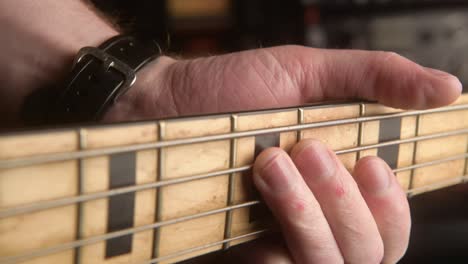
{"type": "Point", "coordinates": [100, 75]}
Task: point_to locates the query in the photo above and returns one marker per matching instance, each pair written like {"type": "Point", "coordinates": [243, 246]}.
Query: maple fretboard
{"type": "Point", "coordinates": [168, 190]}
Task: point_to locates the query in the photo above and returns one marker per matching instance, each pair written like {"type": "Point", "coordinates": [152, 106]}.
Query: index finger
{"type": "Point", "coordinates": [286, 76]}
{"type": "Point", "coordinates": [385, 77]}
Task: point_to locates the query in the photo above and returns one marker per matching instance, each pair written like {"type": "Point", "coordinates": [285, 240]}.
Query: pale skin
{"type": "Point", "coordinates": [326, 214]}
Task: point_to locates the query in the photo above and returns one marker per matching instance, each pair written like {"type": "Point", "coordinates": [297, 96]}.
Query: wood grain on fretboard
{"type": "Point", "coordinates": [37, 230]}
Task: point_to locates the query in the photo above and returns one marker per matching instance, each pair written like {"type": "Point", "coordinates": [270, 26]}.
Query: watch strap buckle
{"type": "Point", "coordinates": [109, 61]}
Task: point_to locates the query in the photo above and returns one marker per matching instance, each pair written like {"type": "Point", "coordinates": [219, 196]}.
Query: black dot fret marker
{"type": "Point", "coordinates": [262, 142]}
{"type": "Point", "coordinates": [390, 129]}
{"type": "Point", "coordinates": [121, 207]}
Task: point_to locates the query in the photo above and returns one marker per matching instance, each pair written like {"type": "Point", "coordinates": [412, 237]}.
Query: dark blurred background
{"type": "Point", "coordinates": [431, 32]}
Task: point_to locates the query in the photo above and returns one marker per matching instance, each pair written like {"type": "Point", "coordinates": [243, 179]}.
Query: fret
{"type": "Point", "coordinates": [230, 200]}
{"type": "Point", "coordinates": [79, 226]}
{"type": "Point", "coordinates": [24, 185]}
{"type": "Point", "coordinates": [336, 137]}
{"type": "Point", "coordinates": [398, 128]}
{"type": "Point", "coordinates": [191, 188]}
{"type": "Point", "coordinates": [413, 159]}
{"type": "Point", "coordinates": [300, 118]}
{"type": "Point", "coordinates": [360, 131]}
{"type": "Point", "coordinates": [195, 196]}
{"type": "Point", "coordinates": [159, 175]}
{"type": "Point", "coordinates": [122, 211]}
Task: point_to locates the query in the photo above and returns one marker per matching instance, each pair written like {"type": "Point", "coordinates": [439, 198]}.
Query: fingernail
{"type": "Point", "coordinates": [445, 76]}
{"type": "Point", "coordinates": [276, 173]}
{"type": "Point", "coordinates": [379, 177]}
{"type": "Point", "coordinates": [314, 160]}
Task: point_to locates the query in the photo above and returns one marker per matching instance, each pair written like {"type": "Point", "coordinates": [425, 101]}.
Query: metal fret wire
{"type": "Point", "coordinates": [300, 117]}
{"type": "Point", "coordinates": [159, 176]}
{"type": "Point", "coordinates": [362, 109]}
{"type": "Point", "coordinates": [190, 250]}
{"type": "Point", "coordinates": [82, 138]}
{"type": "Point", "coordinates": [415, 148]}
{"type": "Point", "coordinates": [128, 231]}
{"type": "Point", "coordinates": [5, 164]}
{"type": "Point", "coordinates": [100, 195]}
{"type": "Point", "coordinates": [95, 239]}
{"type": "Point", "coordinates": [230, 191]}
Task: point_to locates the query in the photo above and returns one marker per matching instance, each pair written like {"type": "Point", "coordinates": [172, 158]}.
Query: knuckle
{"type": "Point", "coordinates": [180, 81]}
{"type": "Point", "coordinates": [299, 67]}
{"type": "Point", "coordinates": [385, 56]}
{"type": "Point", "coordinates": [384, 64]}
{"type": "Point", "coordinates": [377, 65]}
{"type": "Point", "coordinates": [298, 213]}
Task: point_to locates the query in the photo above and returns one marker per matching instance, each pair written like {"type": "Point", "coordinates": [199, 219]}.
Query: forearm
{"type": "Point", "coordinates": [40, 39]}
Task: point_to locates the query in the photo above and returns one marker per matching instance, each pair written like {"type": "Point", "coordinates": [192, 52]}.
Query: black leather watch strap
{"type": "Point", "coordinates": [99, 76]}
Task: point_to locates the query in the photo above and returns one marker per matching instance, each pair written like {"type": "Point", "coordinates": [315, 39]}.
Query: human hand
{"type": "Point", "coordinates": [352, 225]}
{"type": "Point", "coordinates": [280, 77]}
{"type": "Point", "coordinates": [39, 41]}
{"type": "Point", "coordinates": [326, 214]}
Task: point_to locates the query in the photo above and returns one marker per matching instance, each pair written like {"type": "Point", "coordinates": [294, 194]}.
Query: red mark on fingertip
{"type": "Point", "coordinates": [299, 206]}
{"type": "Point", "coordinates": [339, 191]}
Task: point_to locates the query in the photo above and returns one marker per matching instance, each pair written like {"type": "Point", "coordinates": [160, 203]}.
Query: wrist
{"type": "Point", "coordinates": [40, 44]}
{"type": "Point", "coordinates": [144, 100]}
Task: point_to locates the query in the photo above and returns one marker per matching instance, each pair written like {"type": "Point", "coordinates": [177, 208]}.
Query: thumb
{"type": "Point", "coordinates": [282, 76]}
